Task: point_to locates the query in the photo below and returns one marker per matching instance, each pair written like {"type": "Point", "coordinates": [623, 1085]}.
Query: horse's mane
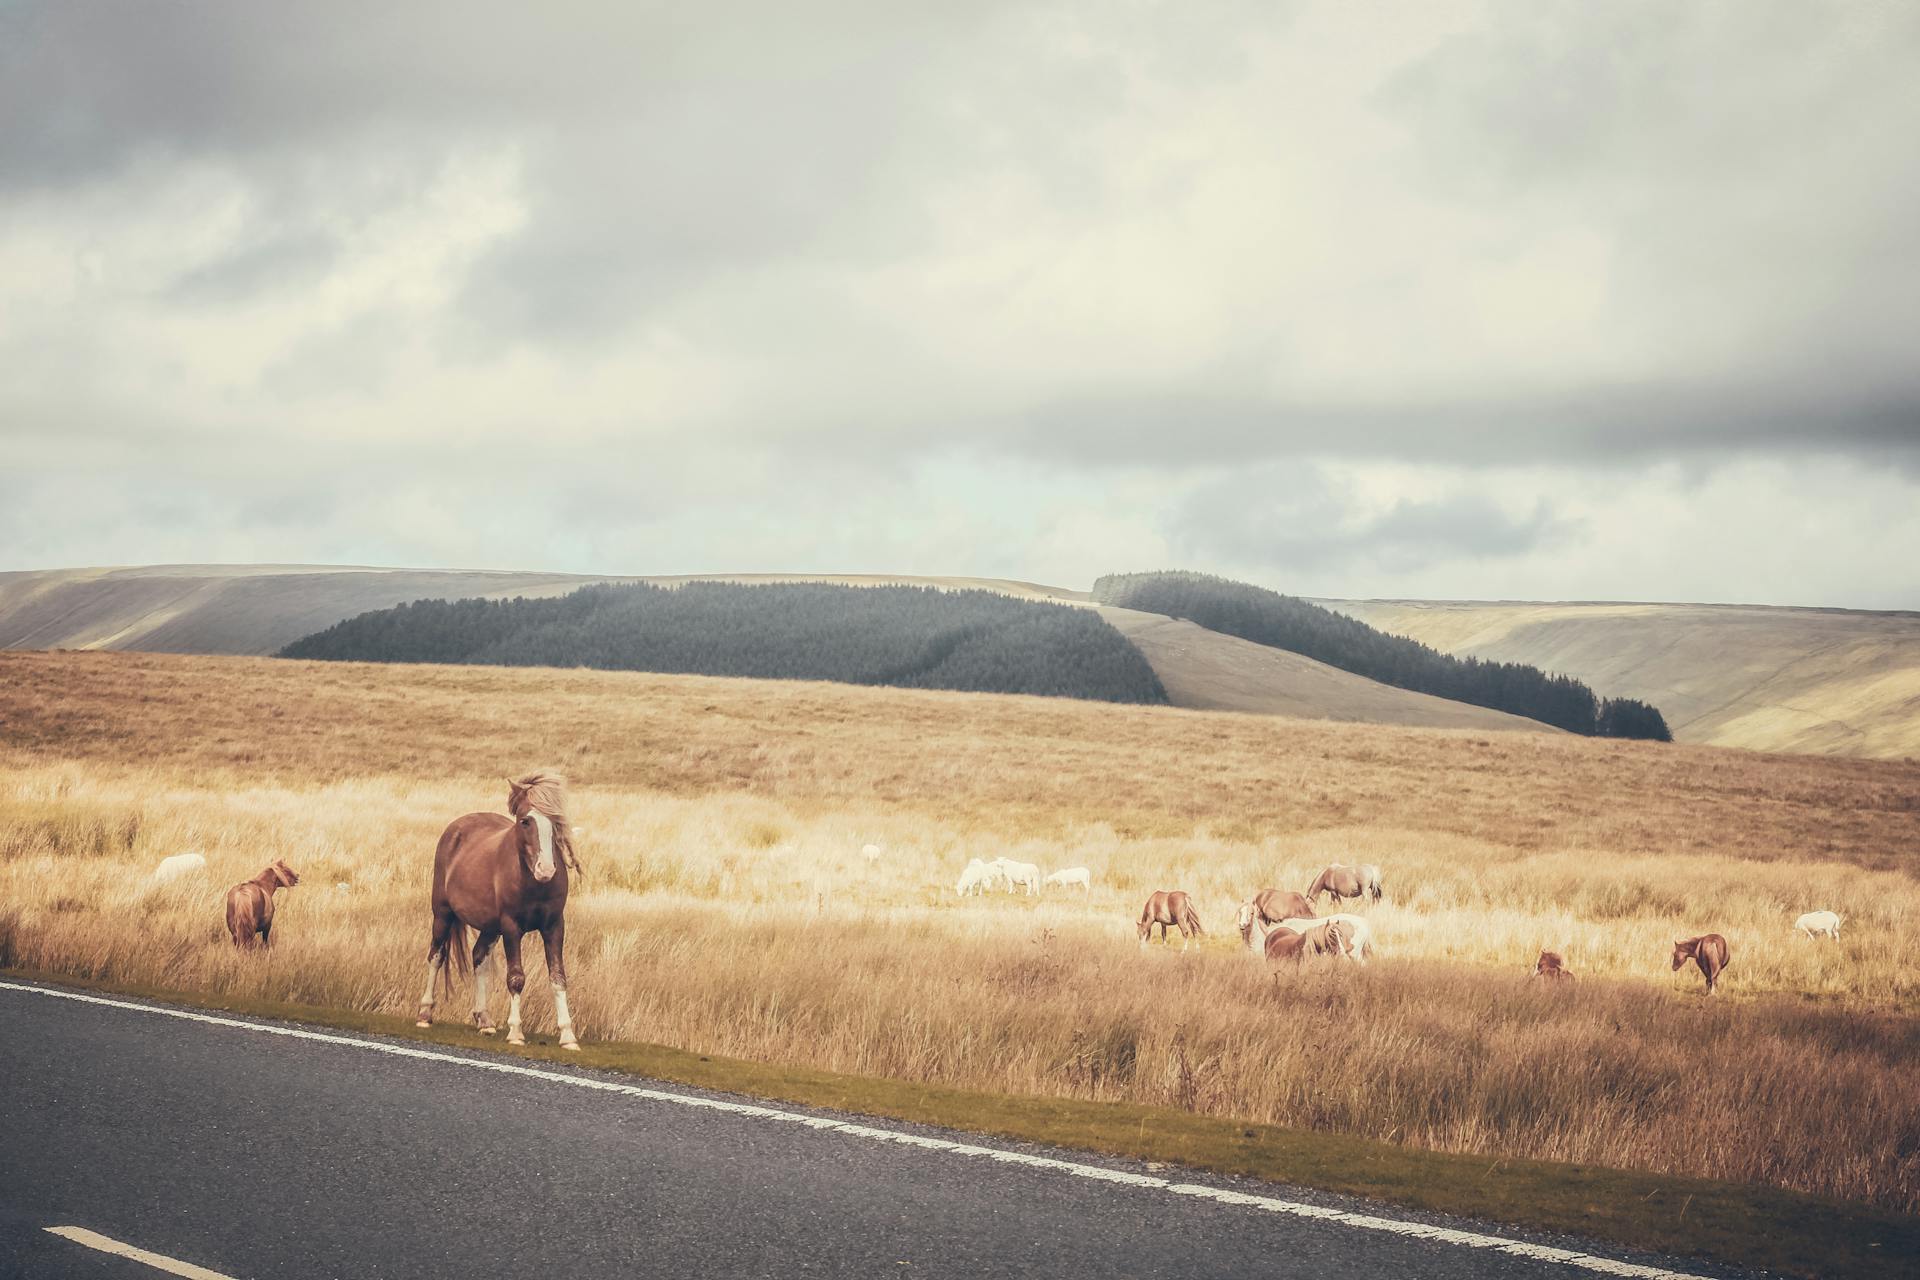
{"type": "Point", "coordinates": [545, 791]}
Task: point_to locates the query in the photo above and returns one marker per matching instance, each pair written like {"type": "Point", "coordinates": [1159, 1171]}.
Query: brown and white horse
{"type": "Point", "coordinates": [1330, 938]}
{"type": "Point", "coordinates": [504, 877]}
{"type": "Point", "coordinates": [1167, 908]}
{"type": "Point", "coordinates": [1270, 907]}
{"type": "Point", "coordinates": [250, 905]}
{"type": "Point", "coordinates": [1709, 951]}
{"type": "Point", "coordinates": [1346, 882]}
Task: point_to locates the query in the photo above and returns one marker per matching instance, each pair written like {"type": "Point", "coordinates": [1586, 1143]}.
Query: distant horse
{"type": "Point", "coordinates": [1071, 876]}
{"type": "Point", "coordinates": [1356, 937]}
{"type": "Point", "coordinates": [1551, 967]}
{"type": "Point", "coordinates": [180, 864]}
{"type": "Point", "coordinates": [1709, 951]}
{"type": "Point", "coordinates": [977, 877]}
{"type": "Point", "coordinates": [871, 852]}
{"type": "Point", "coordinates": [504, 878]}
{"type": "Point", "coordinates": [1018, 873]}
{"type": "Point", "coordinates": [250, 906]}
{"type": "Point", "coordinates": [1329, 938]}
{"type": "Point", "coordinates": [1170, 908]}
{"type": "Point", "coordinates": [1346, 882]}
{"type": "Point", "coordinates": [1815, 922]}
{"type": "Point", "coordinates": [1268, 907]}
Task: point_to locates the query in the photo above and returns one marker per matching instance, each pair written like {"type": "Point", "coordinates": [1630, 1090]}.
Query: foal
{"type": "Point", "coordinates": [250, 905]}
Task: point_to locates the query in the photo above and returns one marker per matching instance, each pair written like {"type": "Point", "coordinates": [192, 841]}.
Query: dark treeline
{"type": "Point", "coordinates": [1286, 622]}
{"type": "Point", "coordinates": [911, 637]}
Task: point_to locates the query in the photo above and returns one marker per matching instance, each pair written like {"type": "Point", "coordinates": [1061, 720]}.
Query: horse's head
{"type": "Point", "coordinates": [284, 875]}
{"type": "Point", "coordinates": [1683, 949]}
{"type": "Point", "coordinates": [534, 833]}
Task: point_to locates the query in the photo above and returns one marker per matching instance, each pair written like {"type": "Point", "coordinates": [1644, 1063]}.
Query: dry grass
{"type": "Point", "coordinates": [727, 909]}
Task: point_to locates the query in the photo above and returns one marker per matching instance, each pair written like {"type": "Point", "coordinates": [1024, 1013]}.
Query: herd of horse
{"type": "Point", "coordinates": [503, 876]}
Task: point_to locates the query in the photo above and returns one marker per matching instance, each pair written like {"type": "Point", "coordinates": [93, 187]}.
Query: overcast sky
{"type": "Point", "coordinates": [1539, 299]}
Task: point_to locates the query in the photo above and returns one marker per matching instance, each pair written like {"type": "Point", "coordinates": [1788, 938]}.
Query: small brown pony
{"type": "Point", "coordinates": [1166, 908]}
{"type": "Point", "coordinates": [1551, 967]}
{"type": "Point", "coordinates": [250, 905]}
{"type": "Point", "coordinates": [1346, 882]}
{"type": "Point", "coordinates": [504, 877]}
{"type": "Point", "coordinates": [1334, 938]}
{"type": "Point", "coordinates": [1269, 907]}
{"type": "Point", "coordinates": [1709, 951]}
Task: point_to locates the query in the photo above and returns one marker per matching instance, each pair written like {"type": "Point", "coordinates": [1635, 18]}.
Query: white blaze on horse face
{"type": "Point", "coordinates": [543, 866]}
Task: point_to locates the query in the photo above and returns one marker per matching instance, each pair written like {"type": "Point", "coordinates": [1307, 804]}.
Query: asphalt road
{"type": "Point", "coordinates": [256, 1155]}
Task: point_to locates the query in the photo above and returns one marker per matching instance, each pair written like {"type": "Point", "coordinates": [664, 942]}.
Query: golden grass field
{"type": "Point", "coordinates": [727, 908]}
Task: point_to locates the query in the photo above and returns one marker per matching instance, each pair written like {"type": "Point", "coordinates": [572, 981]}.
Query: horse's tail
{"type": "Point", "coordinates": [1191, 918]}
{"type": "Point", "coordinates": [453, 950]}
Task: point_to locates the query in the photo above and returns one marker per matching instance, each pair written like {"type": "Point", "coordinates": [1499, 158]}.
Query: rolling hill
{"type": "Point", "coordinates": [259, 609]}
{"type": "Point", "coordinates": [1820, 681]}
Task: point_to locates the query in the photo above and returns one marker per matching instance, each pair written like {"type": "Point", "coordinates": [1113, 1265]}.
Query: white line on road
{"type": "Point", "coordinates": [1268, 1204]}
{"type": "Point", "coordinates": [158, 1261]}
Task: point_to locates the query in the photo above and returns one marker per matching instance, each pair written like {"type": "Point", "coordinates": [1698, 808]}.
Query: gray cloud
{"type": "Point", "coordinates": [1295, 519]}
{"type": "Point", "coordinates": [347, 260]}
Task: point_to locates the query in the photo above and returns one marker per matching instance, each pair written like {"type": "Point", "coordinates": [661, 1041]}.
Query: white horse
{"type": "Point", "coordinates": [1817, 922]}
{"type": "Point", "coordinates": [1071, 876]}
{"type": "Point", "coordinates": [1018, 873]}
{"type": "Point", "coordinates": [1358, 936]}
{"type": "Point", "coordinates": [180, 864]}
{"type": "Point", "coordinates": [975, 879]}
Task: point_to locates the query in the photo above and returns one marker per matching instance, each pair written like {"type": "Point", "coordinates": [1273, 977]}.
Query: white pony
{"type": "Point", "coordinates": [975, 879]}
{"type": "Point", "coordinates": [180, 864]}
{"type": "Point", "coordinates": [871, 852]}
{"type": "Point", "coordinates": [1815, 922]}
{"type": "Point", "coordinates": [1018, 873]}
{"type": "Point", "coordinates": [1359, 936]}
{"type": "Point", "coordinates": [1072, 875]}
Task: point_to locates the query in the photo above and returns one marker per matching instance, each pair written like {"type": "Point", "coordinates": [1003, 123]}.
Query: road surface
{"type": "Point", "coordinates": [252, 1149]}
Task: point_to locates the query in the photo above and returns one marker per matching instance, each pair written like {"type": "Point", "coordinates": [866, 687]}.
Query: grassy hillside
{"type": "Point", "coordinates": [1828, 681]}
{"type": "Point", "coordinates": [727, 907]}
{"type": "Point", "coordinates": [908, 637]}
{"type": "Point", "coordinates": [1208, 671]}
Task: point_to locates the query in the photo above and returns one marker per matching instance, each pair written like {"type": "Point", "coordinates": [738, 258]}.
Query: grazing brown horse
{"type": "Point", "coordinates": [1709, 951]}
{"type": "Point", "coordinates": [250, 905]}
{"type": "Point", "coordinates": [1268, 907]}
{"type": "Point", "coordinates": [1334, 938]}
{"type": "Point", "coordinates": [1346, 882]}
{"type": "Point", "coordinates": [1166, 908]}
{"type": "Point", "coordinates": [504, 877]}
{"type": "Point", "coordinates": [1551, 967]}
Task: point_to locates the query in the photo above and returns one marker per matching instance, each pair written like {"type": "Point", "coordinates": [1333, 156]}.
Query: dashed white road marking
{"type": "Point", "coordinates": [1268, 1204]}
{"type": "Point", "coordinates": [158, 1261]}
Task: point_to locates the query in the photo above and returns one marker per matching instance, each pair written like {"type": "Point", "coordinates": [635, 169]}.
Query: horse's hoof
{"type": "Point", "coordinates": [486, 1031]}
{"type": "Point", "coordinates": [424, 1022]}
{"type": "Point", "coordinates": [516, 1039]}
{"type": "Point", "coordinates": [570, 1044]}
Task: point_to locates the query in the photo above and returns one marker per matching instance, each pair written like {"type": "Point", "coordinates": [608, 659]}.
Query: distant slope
{"type": "Point", "coordinates": [1208, 671]}
{"type": "Point", "coordinates": [914, 637]}
{"type": "Point", "coordinates": [259, 609]}
{"type": "Point", "coordinates": [1825, 681]}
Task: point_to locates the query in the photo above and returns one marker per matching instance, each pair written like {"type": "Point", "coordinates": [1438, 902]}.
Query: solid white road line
{"type": "Point", "coordinates": [158, 1261]}
{"type": "Point", "coordinates": [1268, 1204]}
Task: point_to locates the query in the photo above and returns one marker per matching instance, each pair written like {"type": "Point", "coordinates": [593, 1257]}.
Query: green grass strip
{"type": "Point", "coordinates": [1746, 1226]}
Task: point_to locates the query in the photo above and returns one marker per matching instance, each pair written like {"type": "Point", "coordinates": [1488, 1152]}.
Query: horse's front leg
{"type": "Point", "coordinates": [553, 938]}
{"type": "Point", "coordinates": [516, 983]}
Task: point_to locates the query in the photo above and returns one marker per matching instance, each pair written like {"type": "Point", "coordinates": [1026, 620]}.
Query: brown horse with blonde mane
{"type": "Point", "coordinates": [1334, 938]}
{"type": "Point", "coordinates": [504, 877]}
{"type": "Point", "coordinates": [1170, 908]}
{"type": "Point", "coordinates": [1270, 907]}
{"type": "Point", "coordinates": [250, 905]}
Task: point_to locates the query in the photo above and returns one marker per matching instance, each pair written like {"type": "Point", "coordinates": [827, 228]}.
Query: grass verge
{"type": "Point", "coordinates": [1745, 1226]}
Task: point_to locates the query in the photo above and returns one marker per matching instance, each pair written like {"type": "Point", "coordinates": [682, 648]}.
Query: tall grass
{"type": "Point", "coordinates": [727, 908]}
